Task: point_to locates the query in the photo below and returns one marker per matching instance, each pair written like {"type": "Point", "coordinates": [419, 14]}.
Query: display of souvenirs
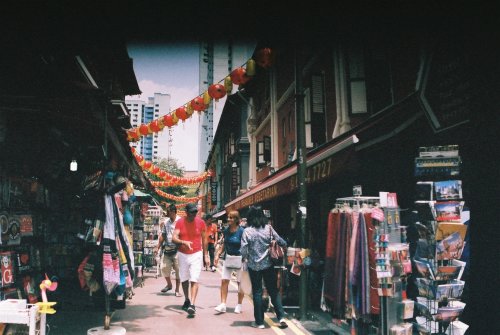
{"type": "Point", "coordinates": [23, 261]}
{"type": "Point", "coordinates": [7, 270]}
{"type": "Point", "coordinates": [448, 189]}
{"type": "Point", "coordinates": [445, 229]}
{"type": "Point", "coordinates": [26, 228]}
{"type": "Point", "coordinates": [448, 210]}
{"type": "Point", "coordinates": [450, 248]}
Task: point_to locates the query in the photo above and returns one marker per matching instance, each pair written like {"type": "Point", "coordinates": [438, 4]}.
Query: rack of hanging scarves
{"type": "Point", "coordinates": [117, 253]}
{"type": "Point", "coordinates": [350, 282]}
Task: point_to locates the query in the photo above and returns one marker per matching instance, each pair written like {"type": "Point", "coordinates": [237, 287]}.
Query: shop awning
{"type": "Point", "coordinates": [219, 214]}
{"type": "Point", "coordinates": [138, 193]}
{"type": "Point", "coordinates": [320, 166]}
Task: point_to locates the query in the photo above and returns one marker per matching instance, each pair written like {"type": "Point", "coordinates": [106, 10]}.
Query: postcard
{"type": "Point", "coordinates": [424, 268]}
{"type": "Point", "coordinates": [448, 210]}
{"type": "Point", "coordinates": [449, 291]}
{"type": "Point", "coordinates": [448, 189]}
{"type": "Point", "coordinates": [423, 310]}
{"type": "Point", "coordinates": [450, 248]}
{"type": "Point", "coordinates": [445, 229]}
{"type": "Point", "coordinates": [457, 328]}
{"type": "Point", "coordinates": [426, 288]}
{"type": "Point", "coordinates": [448, 314]}
{"type": "Point", "coordinates": [459, 263]}
{"type": "Point", "coordinates": [447, 272]}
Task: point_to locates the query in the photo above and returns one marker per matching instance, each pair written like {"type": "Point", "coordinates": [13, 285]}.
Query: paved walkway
{"type": "Point", "coordinates": [152, 312]}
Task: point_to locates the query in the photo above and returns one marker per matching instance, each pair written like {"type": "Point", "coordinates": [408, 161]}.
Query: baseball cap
{"type": "Point", "coordinates": [191, 208]}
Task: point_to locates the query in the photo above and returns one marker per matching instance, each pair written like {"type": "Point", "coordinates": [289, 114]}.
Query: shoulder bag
{"type": "Point", "coordinates": [275, 250]}
{"type": "Point", "coordinates": [232, 261]}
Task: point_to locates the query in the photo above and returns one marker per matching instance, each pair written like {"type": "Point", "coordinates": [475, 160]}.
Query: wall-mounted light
{"type": "Point", "coordinates": [73, 166]}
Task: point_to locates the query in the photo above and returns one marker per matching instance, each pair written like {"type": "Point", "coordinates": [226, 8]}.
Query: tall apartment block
{"type": "Point", "coordinates": [217, 60]}
{"type": "Point", "coordinates": [156, 146]}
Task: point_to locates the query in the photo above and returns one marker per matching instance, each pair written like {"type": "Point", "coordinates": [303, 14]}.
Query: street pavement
{"type": "Point", "coordinates": [152, 312]}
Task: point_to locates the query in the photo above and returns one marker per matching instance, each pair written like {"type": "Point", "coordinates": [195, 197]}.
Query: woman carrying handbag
{"type": "Point", "coordinates": [232, 263]}
{"type": "Point", "coordinates": [255, 244]}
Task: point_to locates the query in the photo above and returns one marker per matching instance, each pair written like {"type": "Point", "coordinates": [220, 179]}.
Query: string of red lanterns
{"type": "Point", "coordinates": [239, 76]}
{"type": "Point", "coordinates": [177, 198]}
{"type": "Point", "coordinates": [169, 179]}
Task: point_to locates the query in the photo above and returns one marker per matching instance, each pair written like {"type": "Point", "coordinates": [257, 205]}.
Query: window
{"type": "Point", "coordinates": [356, 79]}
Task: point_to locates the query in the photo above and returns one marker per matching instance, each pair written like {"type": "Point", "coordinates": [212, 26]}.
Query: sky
{"type": "Point", "coordinates": [171, 68]}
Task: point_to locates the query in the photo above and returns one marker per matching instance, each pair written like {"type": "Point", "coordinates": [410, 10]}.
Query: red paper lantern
{"type": "Point", "coordinates": [154, 126]}
{"type": "Point", "coordinates": [181, 113]}
{"type": "Point", "coordinates": [238, 76]}
{"type": "Point", "coordinates": [217, 91]}
{"type": "Point", "coordinates": [168, 121]}
{"type": "Point", "coordinates": [198, 104]}
{"type": "Point", "coordinates": [147, 165]}
{"type": "Point", "coordinates": [139, 158]}
{"type": "Point", "coordinates": [264, 57]}
{"type": "Point", "coordinates": [132, 149]}
{"type": "Point", "coordinates": [134, 134]}
{"type": "Point", "coordinates": [143, 129]}
{"type": "Point", "coordinates": [156, 170]}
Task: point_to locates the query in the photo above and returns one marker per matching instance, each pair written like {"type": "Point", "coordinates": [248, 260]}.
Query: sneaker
{"type": "Point", "coordinates": [258, 326]}
{"type": "Point", "coordinates": [213, 268]}
{"type": "Point", "coordinates": [221, 308]}
{"type": "Point", "coordinates": [191, 310]}
{"type": "Point", "coordinates": [237, 309]}
{"type": "Point", "coordinates": [166, 289]}
{"type": "Point", "coordinates": [283, 323]}
{"type": "Point", "coordinates": [186, 305]}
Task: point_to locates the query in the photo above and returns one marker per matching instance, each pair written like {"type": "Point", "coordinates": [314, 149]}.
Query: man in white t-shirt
{"type": "Point", "coordinates": [168, 251]}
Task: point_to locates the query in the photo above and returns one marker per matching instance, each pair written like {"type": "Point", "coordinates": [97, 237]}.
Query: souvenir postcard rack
{"type": "Point", "coordinates": [440, 245]}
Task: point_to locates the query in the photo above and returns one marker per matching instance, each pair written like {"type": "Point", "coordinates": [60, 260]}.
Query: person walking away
{"type": "Point", "coordinates": [232, 243]}
{"type": "Point", "coordinates": [255, 249]}
{"type": "Point", "coordinates": [190, 235]}
{"type": "Point", "coordinates": [211, 240]}
{"type": "Point", "coordinates": [168, 250]}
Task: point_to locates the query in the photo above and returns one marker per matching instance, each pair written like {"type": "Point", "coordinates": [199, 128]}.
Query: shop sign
{"type": "Point", "coordinates": [213, 192]}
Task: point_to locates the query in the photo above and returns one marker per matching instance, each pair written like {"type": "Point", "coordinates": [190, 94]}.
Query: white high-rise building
{"type": "Point", "coordinates": [217, 60]}
{"type": "Point", "coordinates": [157, 145]}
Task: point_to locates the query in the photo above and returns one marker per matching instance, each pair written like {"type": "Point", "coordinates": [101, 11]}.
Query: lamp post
{"type": "Point", "coordinates": [301, 180]}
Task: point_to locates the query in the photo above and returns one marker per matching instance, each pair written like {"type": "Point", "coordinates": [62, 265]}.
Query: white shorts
{"type": "Point", "coordinates": [226, 273]}
{"type": "Point", "coordinates": [190, 266]}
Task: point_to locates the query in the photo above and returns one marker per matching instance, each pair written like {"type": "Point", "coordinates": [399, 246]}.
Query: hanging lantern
{"type": "Point", "coordinates": [175, 119]}
{"type": "Point", "coordinates": [162, 174]}
{"type": "Point", "coordinates": [264, 57]}
{"type": "Point", "coordinates": [132, 149]}
{"type": "Point", "coordinates": [250, 68]}
{"type": "Point", "coordinates": [154, 127]}
{"type": "Point", "coordinates": [206, 98]}
{"type": "Point", "coordinates": [181, 113]}
{"type": "Point", "coordinates": [238, 76]}
{"type": "Point", "coordinates": [143, 129]}
{"type": "Point", "coordinates": [156, 170]}
{"type": "Point", "coordinates": [189, 109]}
{"type": "Point", "coordinates": [217, 91]}
{"type": "Point", "coordinates": [228, 85]}
{"type": "Point", "coordinates": [133, 135]}
{"type": "Point", "coordinates": [147, 165]}
{"type": "Point", "coordinates": [168, 121]}
{"type": "Point", "coordinates": [198, 104]}
{"type": "Point", "coordinates": [139, 158]}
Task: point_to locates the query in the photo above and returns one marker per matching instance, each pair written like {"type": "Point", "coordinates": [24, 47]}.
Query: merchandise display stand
{"type": "Point", "coordinates": [441, 241]}
{"type": "Point", "coordinates": [14, 311]}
